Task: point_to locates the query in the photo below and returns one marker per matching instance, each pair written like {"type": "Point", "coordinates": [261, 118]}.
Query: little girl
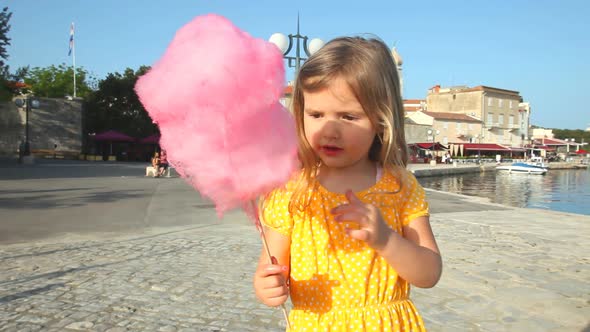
{"type": "Point", "coordinates": [351, 231]}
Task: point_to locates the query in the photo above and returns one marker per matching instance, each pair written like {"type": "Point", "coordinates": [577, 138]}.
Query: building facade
{"type": "Point", "coordinates": [505, 119]}
{"type": "Point", "coordinates": [445, 127]}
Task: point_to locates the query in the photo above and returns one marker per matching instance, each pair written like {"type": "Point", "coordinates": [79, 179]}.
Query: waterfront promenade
{"type": "Point", "coordinates": [99, 247]}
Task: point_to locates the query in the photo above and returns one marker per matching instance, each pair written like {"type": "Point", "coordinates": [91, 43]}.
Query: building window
{"type": "Point", "coordinates": [500, 102]}
{"type": "Point", "coordinates": [490, 100]}
{"type": "Point", "coordinates": [490, 119]}
{"type": "Point", "coordinates": [510, 104]}
{"type": "Point", "coordinates": [445, 125]}
{"type": "Point", "coordinates": [501, 120]}
{"type": "Point", "coordinates": [511, 121]}
{"type": "Point", "coordinates": [458, 126]}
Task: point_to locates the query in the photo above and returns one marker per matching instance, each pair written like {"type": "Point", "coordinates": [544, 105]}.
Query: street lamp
{"type": "Point", "coordinates": [479, 138]}
{"type": "Point", "coordinates": [285, 44]}
{"type": "Point", "coordinates": [27, 103]}
{"type": "Point", "coordinates": [433, 133]}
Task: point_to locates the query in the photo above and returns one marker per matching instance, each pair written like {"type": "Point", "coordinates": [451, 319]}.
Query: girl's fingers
{"type": "Point", "coordinates": [269, 270]}
{"type": "Point", "coordinates": [276, 292]}
{"type": "Point", "coordinates": [274, 283]}
{"type": "Point", "coordinates": [357, 217]}
{"type": "Point", "coordinates": [359, 234]}
{"type": "Point", "coordinates": [352, 198]}
{"type": "Point", "coordinates": [346, 208]}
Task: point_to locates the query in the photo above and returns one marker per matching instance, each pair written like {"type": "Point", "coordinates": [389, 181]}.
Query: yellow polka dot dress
{"type": "Point", "coordinates": [338, 283]}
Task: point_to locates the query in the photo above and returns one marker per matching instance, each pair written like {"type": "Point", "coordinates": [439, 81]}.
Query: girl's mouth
{"type": "Point", "coordinates": [331, 150]}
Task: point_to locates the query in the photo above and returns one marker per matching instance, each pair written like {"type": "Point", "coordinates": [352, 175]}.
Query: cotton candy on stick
{"type": "Point", "coordinates": [214, 95]}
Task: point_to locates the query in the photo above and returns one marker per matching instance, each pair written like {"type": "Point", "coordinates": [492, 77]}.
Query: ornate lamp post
{"type": "Point", "coordinates": [479, 138]}
{"type": "Point", "coordinates": [398, 65]}
{"type": "Point", "coordinates": [285, 44]}
{"type": "Point", "coordinates": [433, 133]}
{"type": "Point", "coordinates": [27, 103]}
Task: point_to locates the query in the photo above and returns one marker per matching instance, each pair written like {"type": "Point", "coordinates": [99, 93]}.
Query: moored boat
{"type": "Point", "coordinates": [521, 167]}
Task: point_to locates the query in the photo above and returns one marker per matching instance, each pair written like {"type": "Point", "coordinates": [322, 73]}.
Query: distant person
{"type": "Point", "coordinates": [156, 164]}
{"type": "Point", "coordinates": [350, 232]}
{"type": "Point", "coordinates": [21, 151]}
{"type": "Point", "coordinates": [163, 165]}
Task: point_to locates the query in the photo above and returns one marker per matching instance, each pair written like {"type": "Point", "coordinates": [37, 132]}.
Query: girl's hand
{"type": "Point", "coordinates": [270, 285]}
{"type": "Point", "coordinates": [373, 229]}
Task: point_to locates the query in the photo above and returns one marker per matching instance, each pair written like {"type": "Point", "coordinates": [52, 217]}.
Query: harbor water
{"type": "Point", "coordinates": [558, 190]}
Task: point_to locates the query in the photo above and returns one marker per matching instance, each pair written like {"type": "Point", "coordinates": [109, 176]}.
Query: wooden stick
{"type": "Point", "coordinates": [267, 249]}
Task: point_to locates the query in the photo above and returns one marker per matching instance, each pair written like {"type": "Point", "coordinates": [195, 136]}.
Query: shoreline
{"type": "Point", "coordinates": [422, 171]}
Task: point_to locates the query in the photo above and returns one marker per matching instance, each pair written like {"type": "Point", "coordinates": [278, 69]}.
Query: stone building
{"type": "Point", "coordinates": [505, 119]}
{"type": "Point", "coordinates": [445, 127]}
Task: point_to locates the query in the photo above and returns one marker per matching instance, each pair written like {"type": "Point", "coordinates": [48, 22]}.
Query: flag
{"type": "Point", "coordinates": [71, 39]}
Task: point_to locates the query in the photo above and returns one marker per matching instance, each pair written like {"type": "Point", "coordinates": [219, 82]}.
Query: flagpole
{"type": "Point", "coordinates": [74, 59]}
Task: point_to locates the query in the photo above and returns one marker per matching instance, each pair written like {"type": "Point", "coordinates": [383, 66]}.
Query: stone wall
{"type": "Point", "coordinates": [416, 133]}
{"type": "Point", "coordinates": [55, 122]}
{"type": "Point", "coordinates": [11, 128]}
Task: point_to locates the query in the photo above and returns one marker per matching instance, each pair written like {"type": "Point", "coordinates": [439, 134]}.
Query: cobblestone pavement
{"type": "Point", "coordinates": [189, 279]}
{"type": "Point", "coordinates": [506, 269]}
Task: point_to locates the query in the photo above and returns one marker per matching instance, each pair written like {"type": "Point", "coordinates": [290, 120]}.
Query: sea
{"type": "Point", "coordinates": [557, 190]}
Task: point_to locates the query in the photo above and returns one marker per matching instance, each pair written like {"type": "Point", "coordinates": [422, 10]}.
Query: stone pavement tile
{"type": "Point", "coordinates": [197, 279]}
{"type": "Point", "coordinates": [510, 271]}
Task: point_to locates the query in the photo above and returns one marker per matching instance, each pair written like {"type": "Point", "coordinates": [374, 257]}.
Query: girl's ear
{"type": "Point", "coordinates": [375, 149]}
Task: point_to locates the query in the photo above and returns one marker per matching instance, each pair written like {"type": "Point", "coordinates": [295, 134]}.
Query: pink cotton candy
{"type": "Point", "coordinates": [215, 97]}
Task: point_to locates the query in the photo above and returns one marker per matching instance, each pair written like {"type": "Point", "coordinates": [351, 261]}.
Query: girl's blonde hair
{"type": "Point", "coordinates": [368, 67]}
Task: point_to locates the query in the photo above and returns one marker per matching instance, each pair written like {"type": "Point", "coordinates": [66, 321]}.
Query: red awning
{"type": "Point", "coordinates": [582, 152]}
{"type": "Point", "coordinates": [484, 147]}
{"type": "Point", "coordinates": [551, 141]}
{"type": "Point", "coordinates": [514, 149]}
{"type": "Point", "coordinates": [539, 147]}
{"type": "Point", "coordinates": [428, 146]}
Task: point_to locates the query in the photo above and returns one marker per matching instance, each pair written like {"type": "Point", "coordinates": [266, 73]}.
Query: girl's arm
{"type": "Point", "coordinates": [415, 255]}
{"type": "Point", "coordinates": [270, 280]}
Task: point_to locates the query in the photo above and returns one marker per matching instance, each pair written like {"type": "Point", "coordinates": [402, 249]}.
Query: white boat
{"type": "Point", "coordinates": [528, 168]}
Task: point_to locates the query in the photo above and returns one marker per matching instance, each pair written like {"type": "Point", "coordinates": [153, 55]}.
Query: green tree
{"type": "Point", "coordinates": [578, 134]}
{"type": "Point", "coordinates": [4, 39]}
{"type": "Point", "coordinates": [58, 81]}
{"type": "Point", "coordinates": [115, 105]}
{"type": "Point", "coordinates": [5, 89]}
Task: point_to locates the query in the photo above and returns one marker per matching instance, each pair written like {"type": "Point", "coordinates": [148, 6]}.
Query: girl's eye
{"type": "Point", "coordinates": [315, 115]}
{"type": "Point", "coordinates": [349, 117]}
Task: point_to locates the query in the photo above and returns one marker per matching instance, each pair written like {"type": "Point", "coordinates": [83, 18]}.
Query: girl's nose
{"type": "Point", "coordinates": [331, 129]}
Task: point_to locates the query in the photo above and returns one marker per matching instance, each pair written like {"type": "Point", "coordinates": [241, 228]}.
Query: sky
{"type": "Point", "coordinates": [539, 48]}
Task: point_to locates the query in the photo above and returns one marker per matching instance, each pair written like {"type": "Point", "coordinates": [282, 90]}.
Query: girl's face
{"type": "Point", "coordinates": [337, 127]}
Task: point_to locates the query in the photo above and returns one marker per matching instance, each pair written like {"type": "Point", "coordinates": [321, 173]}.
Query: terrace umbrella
{"type": "Point", "coordinates": [581, 151]}
{"type": "Point", "coordinates": [112, 136]}
{"type": "Point", "coordinates": [152, 139]}
{"type": "Point", "coordinates": [461, 149]}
